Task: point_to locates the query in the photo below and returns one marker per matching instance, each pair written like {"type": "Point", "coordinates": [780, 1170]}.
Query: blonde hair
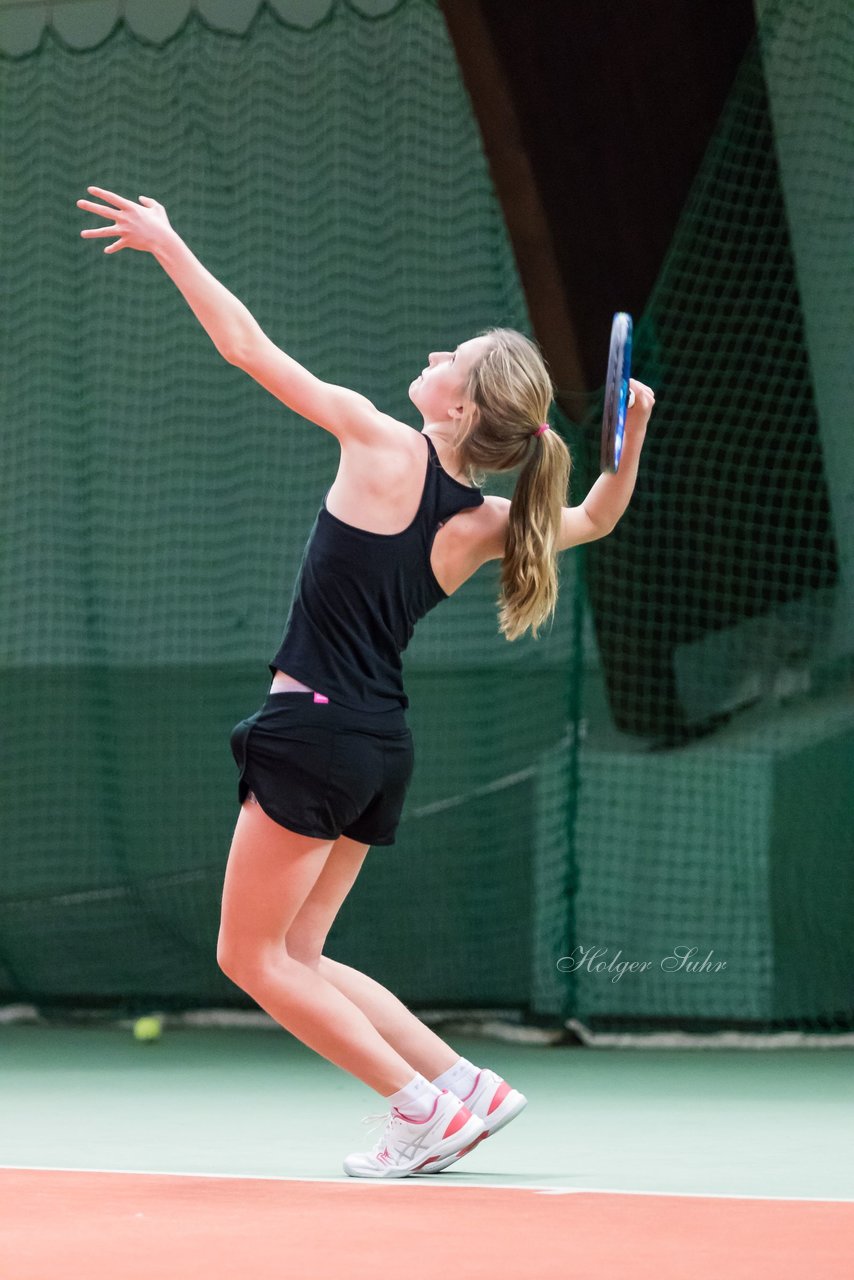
{"type": "Point", "coordinates": [511, 391]}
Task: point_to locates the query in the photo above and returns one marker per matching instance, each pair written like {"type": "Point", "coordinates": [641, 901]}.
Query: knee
{"type": "Point", "coordinates": [242, 964]}
{"type": "Point", "coordinates": [229, 960]}
{"type": "Point", "coordinates": [252, 970]}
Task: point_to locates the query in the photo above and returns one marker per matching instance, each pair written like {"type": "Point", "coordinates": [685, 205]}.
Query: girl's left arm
{"type": "Point", "coordinates": [145, 226]}
{"type": "Point", "coordinates": [224, 317]}
{"type": "Point", "coordinates": [233, 329]}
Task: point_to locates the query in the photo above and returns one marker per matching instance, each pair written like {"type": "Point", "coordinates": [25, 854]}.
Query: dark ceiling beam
{"type": "Point", "coordinates": [519, 196]}
{"type": "Point", "coordinates": [595, 117]}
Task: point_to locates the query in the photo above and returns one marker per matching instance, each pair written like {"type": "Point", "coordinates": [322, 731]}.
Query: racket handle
{"type": "Point", "coordinates": [631, 397]}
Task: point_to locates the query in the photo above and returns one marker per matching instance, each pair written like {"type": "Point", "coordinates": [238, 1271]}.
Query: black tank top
{"type": "Point", "coordinates": [358, 596]}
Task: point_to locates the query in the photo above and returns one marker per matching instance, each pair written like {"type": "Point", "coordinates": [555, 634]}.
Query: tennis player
{"type": "Point", "coordinates": [325, 763]}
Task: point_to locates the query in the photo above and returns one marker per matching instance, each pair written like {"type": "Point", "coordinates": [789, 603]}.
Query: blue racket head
{"type": "Point", "coordinates": [616, 391]}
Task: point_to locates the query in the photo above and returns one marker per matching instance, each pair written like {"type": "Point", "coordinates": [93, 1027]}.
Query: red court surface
{"type": "Point", "coordinates": [102, 1226]}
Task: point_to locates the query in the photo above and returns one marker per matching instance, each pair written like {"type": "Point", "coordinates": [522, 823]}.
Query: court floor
{"type": "Point", "coordinates": [256, 1103]}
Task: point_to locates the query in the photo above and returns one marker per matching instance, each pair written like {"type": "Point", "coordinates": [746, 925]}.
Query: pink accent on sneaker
{"type": "Point", "coordinates": [318, 697]}
{"type": "Point", "coordinates": [500, 1094]}
{"type": "Point", "coordinates": [461, 1118]}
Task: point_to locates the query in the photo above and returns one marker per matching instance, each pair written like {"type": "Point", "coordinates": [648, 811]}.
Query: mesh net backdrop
{"type": "Point", "coordinates": [714, 833]}
{"type": "Point", "coordinates": [156, 503]}
{"type": "Point", "coordinates": [668, 769]}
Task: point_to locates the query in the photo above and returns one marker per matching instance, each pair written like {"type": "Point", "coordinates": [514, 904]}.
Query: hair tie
{"type": "Point", "coordinates": [539, 431]}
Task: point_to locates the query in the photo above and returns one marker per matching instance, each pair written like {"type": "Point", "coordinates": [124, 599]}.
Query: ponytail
{"type": "Point", "coordinates": [529, 569]}
{"type": "Point", "coordinates": [510, 392]}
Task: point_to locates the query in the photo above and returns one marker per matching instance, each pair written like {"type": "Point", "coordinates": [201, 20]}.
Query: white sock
{"type": "Point", "coordinates": [416, 1099]}
{"type": "Point", "coordinates": [459, 1078]}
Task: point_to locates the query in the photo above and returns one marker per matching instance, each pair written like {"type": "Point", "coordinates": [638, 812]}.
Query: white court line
{"type": "Point", "coordinates": [434, 1180]}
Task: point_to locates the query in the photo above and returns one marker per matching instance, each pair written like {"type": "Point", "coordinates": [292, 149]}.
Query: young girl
{"type": "Point", "coordinates": [326, 761]}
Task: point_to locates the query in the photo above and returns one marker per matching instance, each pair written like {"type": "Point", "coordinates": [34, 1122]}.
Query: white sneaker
{"type": "Point", "coordinates": [407, 1145]}
{"type": "Point", "coordinates": [495, 1103]}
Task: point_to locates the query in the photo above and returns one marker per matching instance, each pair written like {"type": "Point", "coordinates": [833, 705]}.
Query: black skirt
{"type": "Point", "coordinates": [323, 770]}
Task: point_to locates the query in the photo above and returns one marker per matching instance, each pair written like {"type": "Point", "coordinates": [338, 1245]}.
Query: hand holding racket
{"type": "Point", "coordinates": [621, 391]}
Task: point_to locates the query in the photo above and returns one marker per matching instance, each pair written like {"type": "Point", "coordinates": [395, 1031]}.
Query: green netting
{"type": "Point", "coordinates": [717, 767]}
{"type": "Point", "coordinates": [671, 766]}
{"type": "Point", "coordinates": [155, 504]}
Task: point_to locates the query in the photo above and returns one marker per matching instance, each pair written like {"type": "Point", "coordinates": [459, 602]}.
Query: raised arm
{"type": "Point", "coordinates": [145, 226]}
{"type": "Point", "coordinates": [231, 327]}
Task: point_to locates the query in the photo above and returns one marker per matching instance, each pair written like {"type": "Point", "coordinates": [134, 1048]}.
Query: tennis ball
{"type": "Point", "coordinates": [147, 1028]}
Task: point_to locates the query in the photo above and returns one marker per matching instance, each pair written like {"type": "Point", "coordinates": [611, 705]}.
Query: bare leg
{"type": "Point", "coordinates": [322, 1017]}
{"type": "Point", "coordinates": [270, 873]}
{"type": "Point", "coordinates": [396, 1024]}
{"type": "Point", "coordinates": [306, 936]}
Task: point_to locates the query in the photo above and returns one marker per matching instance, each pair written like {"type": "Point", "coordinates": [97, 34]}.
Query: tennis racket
{"type": "Point", "coordinates": [618, 394]}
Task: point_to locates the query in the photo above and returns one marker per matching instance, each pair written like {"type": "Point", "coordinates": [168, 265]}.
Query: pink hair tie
{"type": "Point", "coordinates": [541, 429]}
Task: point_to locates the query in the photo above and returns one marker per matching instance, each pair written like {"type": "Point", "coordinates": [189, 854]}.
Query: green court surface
{"type": "Point", "coordinates": [256, 1103]}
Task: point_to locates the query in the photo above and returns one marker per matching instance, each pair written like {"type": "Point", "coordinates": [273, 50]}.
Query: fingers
{"type": "Point", "coordinates": [104, 211]}
{"type": "Point", "coordinates": [97, 208]}
{"type": "Point", "coordinates": [643, 393]}
{"type": "Point", "coordinates": [640, 386]}
{"type": "Point", "coordinates": [111, 195]}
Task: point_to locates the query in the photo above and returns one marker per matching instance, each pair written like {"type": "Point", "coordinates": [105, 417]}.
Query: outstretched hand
{"type": "Point", "coordinates": [142, 226]}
